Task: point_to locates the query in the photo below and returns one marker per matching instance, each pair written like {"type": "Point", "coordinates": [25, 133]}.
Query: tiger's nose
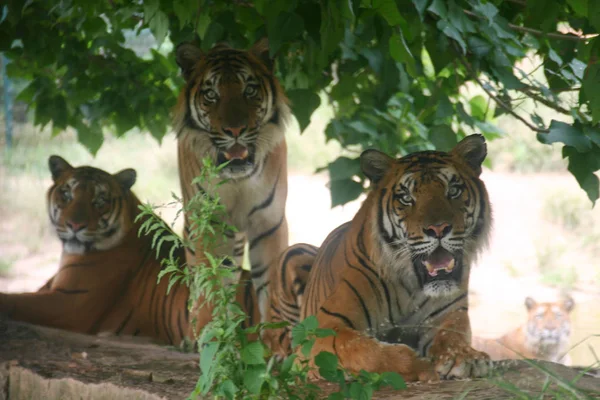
{"type": "Point", "coordinates": [438, 231]}
{"type": "Point", "coordinates": [235, 131]}
{"type": "Point", "coordinates": [75, 227]}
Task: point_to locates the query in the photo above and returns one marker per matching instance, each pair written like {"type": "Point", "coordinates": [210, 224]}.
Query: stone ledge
{"type": "Point", "coordinates": [44, 363]}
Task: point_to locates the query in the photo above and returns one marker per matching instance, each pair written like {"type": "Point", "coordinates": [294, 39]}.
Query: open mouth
{"type": "Point", "coordinates": [441, 260]}
{"type": "Point", "coordinates": [237, 155]}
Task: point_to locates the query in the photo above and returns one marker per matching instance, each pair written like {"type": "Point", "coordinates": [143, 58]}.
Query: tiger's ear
{"type": "Point", "coordinates": [530, 303]}
{"type": "Point", "coordinates": [58, 166]}
{"type": "Point", "coordinates": [375, 164]}
{"type": "Point", "coordinates": [568, 303]}
{"type": "Point", "coordinates": [187, 56]}
{"type": "Point", "coordinates": [126, 178]}
{"type": "Point", "coordinates": [261, 50]}
{"type": "Point", "coordinates": [473, 150]}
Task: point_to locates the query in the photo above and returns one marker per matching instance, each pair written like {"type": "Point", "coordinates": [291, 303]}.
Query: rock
{"type": "Point", "coordinates": [44, 363]}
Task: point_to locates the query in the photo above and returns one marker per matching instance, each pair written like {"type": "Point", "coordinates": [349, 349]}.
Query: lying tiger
{"type": "Point", "coordinates": [393, 282]}
{"type": "Point", "coordinates": [545, 335]}
{"type": "Point", "coordinates": [107, 277]}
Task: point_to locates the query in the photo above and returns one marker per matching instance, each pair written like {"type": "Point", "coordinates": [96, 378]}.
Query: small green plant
{"type": "Point", "coordinates": [231, 365]}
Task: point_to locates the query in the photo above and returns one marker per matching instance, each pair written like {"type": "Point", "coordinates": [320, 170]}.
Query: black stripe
{"type": "Point", "coordinates": [71, 291]}
{"type": "Point", "coordinates": [124, 323]}
{"type": "Point", "coordinates": [267, 233]}
{"type": "Point", "coordinates": [361, 301]}
{"type": "Point", "coordinates": [267, 202]}
{"type": "Point", "coordinates": [346, 321]}
{"type": "Point", "coordinates": [440, 310]}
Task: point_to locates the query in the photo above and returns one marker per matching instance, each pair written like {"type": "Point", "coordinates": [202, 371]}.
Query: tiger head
{"type": "Point", "coordinates": [233, 104]}
{"type": "Point", "coordinates": [548, 326]}
{"type": "Point", "coordinates": [430, 213]}
{"type": "Point", "coordinates": [88, 207]}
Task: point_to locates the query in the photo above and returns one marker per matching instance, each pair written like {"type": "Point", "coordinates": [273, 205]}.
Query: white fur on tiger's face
{"type": "Point", "coordinates": [87, 206]}
{"type": "Point", "coordinates": [548, 327]}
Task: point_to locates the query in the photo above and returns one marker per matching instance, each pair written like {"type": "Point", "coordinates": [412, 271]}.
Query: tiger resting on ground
{"type": "Point", "coordinates": [233, 109]}
{"type": "Point", "coordinates": [545, 335]}
{"type": "Point", "coordinates": [393, 282]}
{"type": "Point", "coordinates": [107, 277]}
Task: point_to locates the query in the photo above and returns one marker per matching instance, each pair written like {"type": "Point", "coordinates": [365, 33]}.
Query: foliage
{"type": "Point", "coordinates": [392, 69]}
{"type": "Point", "coordinates": [232, 366]}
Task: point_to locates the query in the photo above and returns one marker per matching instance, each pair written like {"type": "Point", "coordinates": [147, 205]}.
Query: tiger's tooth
{"type": "Point", "coordinates": [430, 268]}
{"type": "Point", "coordinates": [450, 266]}
{"type": "Point", "coordinates": [227, 156]}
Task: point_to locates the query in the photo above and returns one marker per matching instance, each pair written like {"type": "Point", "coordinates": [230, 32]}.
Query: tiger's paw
{"type": "Point", "coordinates": [462, 361]}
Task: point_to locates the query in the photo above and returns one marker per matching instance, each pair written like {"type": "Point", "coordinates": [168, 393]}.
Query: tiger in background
{"type": "Point", "coordinates": [545, 335]}
{"type": "Point", "coordinates": [393, 282]}
{"type": "Point", "coordinates": [107, 277]}
{"type": "Point", "coordinates": [232, 109]}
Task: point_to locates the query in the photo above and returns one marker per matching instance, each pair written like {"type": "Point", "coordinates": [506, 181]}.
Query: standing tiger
{"type": "Point", "coordinates": [107, 278]}
{"type": "Point", "coordinates": [545, 335]}
{"type": "Point", "coordinates": [232, 109]}
{"type": "Point", "coordinates": [393, 282]}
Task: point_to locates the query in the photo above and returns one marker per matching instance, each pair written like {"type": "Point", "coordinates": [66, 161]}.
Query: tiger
{"type": "Point", "coordinates": [107, 276]}
{"type": "Point", "coordinates": [233, 111]}
{"type": "Point", "coordinates": [544, 336]}
{"type": "Point", "coordinates": [393, 282]}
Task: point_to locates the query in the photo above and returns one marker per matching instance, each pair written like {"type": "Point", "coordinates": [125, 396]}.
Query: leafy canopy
{"type": "Point", "coordinates": [392, 69]}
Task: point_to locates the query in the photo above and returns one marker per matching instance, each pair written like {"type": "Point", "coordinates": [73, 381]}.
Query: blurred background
{"type": "Point", "coordinates": [545, 241]}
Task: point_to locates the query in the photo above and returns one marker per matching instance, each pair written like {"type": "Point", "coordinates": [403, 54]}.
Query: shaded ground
{"type": "Point", "coordinates": [52, 364]}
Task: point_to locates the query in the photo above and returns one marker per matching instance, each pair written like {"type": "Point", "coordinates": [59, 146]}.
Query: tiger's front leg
{"type": "Point", "coordinates": [266, 241]}
{"type": "Point", "coordinates": [357, 351]}
{"type": "Point", "coordinates": [451, 350]}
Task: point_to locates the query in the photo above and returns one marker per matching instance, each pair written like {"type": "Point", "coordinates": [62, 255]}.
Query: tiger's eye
{"type": "Point", "coordinates": [250, 91]}
{"type": "Point", "coordinates": [210, 94]}
{"type": "Point", "coordinates": [454, 191]}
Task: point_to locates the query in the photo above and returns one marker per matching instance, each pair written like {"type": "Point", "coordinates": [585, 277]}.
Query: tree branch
{"type": "Point", "coordinates": [536, 97]}
{"type": "Point", "coordinates": [498, 101]}
{"type": "Point", "coordinates": [535, 32]}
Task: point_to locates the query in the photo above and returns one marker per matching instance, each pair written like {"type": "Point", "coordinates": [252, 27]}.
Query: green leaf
{"type": "Point", "coordinates": [310, 323]}
{"type": "Point", "coordinates": [478, 107]}
{"type": "Point", "coordinates": [324, 332]}
{"type": "Point", "coordinates": [287, 364]}
{"type": "Point", "coordinates": [298, 335]}
{"type": "Point", "coordinates": [203, 23]}
{"type": "Point", "coordinates": [488, 10]}
{"type": "Point", "coordinates": [571, 135]}
{"type": "Point", "coordinates": [389, 11]}
{"type": "Point", "coordinates": [207, 356]}
{"type": "Point", "coordinates": [254, 378]}
{"type": "Point", "coordinates": [159, 26]}
{"type": "Point", "coordinates": [344, 168]}
{"type": "Point", "coordinates": [579, 6]}
{"type": "Point", "coordinates": [253, 353]}
{"type": "Point", "coordinates": [185, 11]}
{"type": "Point", "coordinates": [420, 5]}
{"type": "Point", "coordinates": [286, 27]}
{"type": "Point", "coordinates": [343, 191]}
{"type": "Point", "coordinates": [594, 13]}
{"type": "Point", "coordinates": [442, 137]}
{"type": "Point", "coordinates": [326, 361]}
{"type": "Point", "coordinates": [401, 53]}
{"type": "Point", "coordinates": [332, 29]}
{"type": "Point", "coordinates": [438, 7]}
{"type": "Point", "coordinates": [307, 347]}
{"type": "Point", "coordinates": [394, 380]}
{"type": "Point", "coordinates": [452, 33]}
{"type": "Point", "coordinates": [90, 137]}
{"type": "Point", "coordinates": [304, 103]}
{"type": "Point", "coordinates": [150, 9]}
{"type": "Point", "coordinates": [213, 34]}
{"type": "Point", "coordinates": [591, 90]}
{"type": "Point", "coordinates": [582, 166]}
{"type": "Point", "coordinates": [228, 389]}
{"type": "Point", "coordinates": [360, 392]}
